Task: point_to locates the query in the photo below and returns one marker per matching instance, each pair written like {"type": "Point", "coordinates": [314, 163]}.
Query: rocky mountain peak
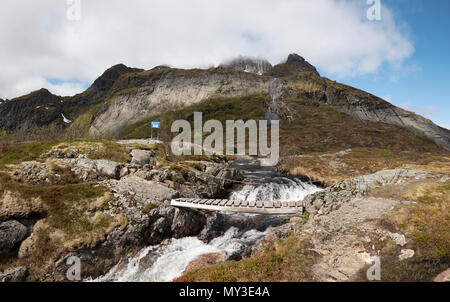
{"type": "Point", "coordinates": [300, 63]}
{"type": "Point", "coordinates": [248, 64]}
{"type": "Point", "coordinates": [107, 79]}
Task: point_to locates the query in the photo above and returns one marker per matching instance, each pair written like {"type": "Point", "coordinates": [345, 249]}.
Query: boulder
{"type": "Point", "coordinates": [11, 234]}
{"type": "Point", "coordinates": [108, 168]}
{"type": "Point", "coordinates": [168, 222]}
{"type": "Point", "coordinates": [141, 157]}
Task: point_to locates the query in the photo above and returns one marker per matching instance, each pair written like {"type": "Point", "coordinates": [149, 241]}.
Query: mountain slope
{"type": "Point", "coordinates": [41, 108]}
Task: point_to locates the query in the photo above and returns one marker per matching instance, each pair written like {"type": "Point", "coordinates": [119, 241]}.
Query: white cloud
{"type": "Point", "coordinates": [423, 110]}
{"type": "Point", "coordinates": [38, 42]}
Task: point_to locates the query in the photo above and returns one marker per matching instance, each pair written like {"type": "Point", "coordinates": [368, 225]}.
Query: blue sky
{"type": "Point", "coordinates": [422, 83]}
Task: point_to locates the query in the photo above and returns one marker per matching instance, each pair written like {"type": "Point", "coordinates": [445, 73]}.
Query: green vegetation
{"type": "Point", "coordinates": [18, 154]}
{"type": "Point", "coordinates": [279, 260]}
{"type": "Point", "coordinates": [426, 226]}
{"type": "Point", "coordinates": [106, 149]}
{"type": "Point", "coordinates": [222, 109]}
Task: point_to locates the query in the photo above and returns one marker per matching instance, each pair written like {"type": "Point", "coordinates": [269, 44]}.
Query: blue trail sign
{"type": "Point", "coordinates": [155, 125]}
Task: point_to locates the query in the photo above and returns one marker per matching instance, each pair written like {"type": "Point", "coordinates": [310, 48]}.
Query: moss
{"type": "Point", "coordinates": [149, 207]}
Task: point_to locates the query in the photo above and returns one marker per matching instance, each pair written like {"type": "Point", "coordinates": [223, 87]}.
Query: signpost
{"type": "Point", "coordinates": [155, 125]}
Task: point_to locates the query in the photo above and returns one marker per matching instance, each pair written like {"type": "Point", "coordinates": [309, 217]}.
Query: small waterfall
{"type": "Point", "coordinates": [280, 189]}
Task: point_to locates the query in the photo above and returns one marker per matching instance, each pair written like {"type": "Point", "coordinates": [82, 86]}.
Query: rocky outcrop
{"type": "Point", "coordinates": [11, 234]}
{"type": "Point", "coordinates": [248, 64]}
{"type": "Point", "coordinates": [300, 64]}
{"type": "Point", "coordinates": [334, 197]}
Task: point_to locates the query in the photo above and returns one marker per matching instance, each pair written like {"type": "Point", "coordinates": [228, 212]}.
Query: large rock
{"type": "Point", "coordinates": [141, 157]}
{"type": "Point", "coordinates": [169, 222]}
{"type": "Point", "coordinates": [108, 168]}
{"type": "Point", "coordinates": [11, 234]}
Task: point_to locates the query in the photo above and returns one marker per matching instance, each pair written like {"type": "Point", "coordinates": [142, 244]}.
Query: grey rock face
{"type": "Point", "coordinates": [18, 274]}
{"type": "Point", "coordinates": [172, 90]}
{"type": "Point", "coordinates": [390, 114]}
{"type": "Point", "coordinates": [141, 157]}
{"type": "Point", "coordinates": [248, 64]}
{"type": "Point", "coordinates": [11, 233]}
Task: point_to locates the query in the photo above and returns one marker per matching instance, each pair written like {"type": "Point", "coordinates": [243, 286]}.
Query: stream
{"type": "Point", "coordinates": [226, 234]}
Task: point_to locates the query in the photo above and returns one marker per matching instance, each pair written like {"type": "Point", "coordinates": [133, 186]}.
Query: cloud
{"type": "Point", "coordinates": [423, 110]}
{"type": "Point", "coordinates": [39, 42]}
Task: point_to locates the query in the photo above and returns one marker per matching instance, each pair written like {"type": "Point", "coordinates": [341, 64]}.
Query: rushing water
{"type": "Point", "coordinates": [226, 233]}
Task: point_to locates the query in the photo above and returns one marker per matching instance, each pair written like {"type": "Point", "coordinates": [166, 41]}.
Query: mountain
{"type": "Point", "coordinates": [124, 97]}
{"type": "Point", "coordinates": [42, 108]}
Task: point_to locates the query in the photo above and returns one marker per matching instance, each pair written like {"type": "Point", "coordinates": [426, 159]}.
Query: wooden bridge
{"type": "Point", "coordinates": [258, 207]}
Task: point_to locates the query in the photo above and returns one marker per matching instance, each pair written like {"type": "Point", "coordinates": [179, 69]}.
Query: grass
{"type": "Point", "coordinates": [29, 152]}
{"type": "Point", "coordinates": [16, 154]}
{"type": "Point", "coordinates": [279, 260]}
{"type": "Point", "coordinates": [331, 169]}
{"type": "Point", "coordinates": [426, 225]}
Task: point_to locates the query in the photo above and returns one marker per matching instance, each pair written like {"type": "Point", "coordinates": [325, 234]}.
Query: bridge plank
{"type": "Point", "coordinates": [223, 202]}
{"type": "Point", "coordinates": [268, 204]}
{"type": "Point", "coordinates": [285, 204]}
{"type": "Point", "coordinates": [230, 203]}
{"type": "Point", "coordinates": [216, 202]}
{"type": "Point", "coordinates": [244, 204]}
{"type": "Point", "coordinates": [209, 202]}
{"type": "Point", "coordinates": [237, 203]}
{"type": "Point", "coordinates": [259, 204]}
{"type": "Point", "coordinates": [292, 204]}
{"type": "Point", "coordinates": [252, 204]}
{"type": "Point", "coordinates": [299, 204]}
{"type": "Point", "coordinates": [277, 204]}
